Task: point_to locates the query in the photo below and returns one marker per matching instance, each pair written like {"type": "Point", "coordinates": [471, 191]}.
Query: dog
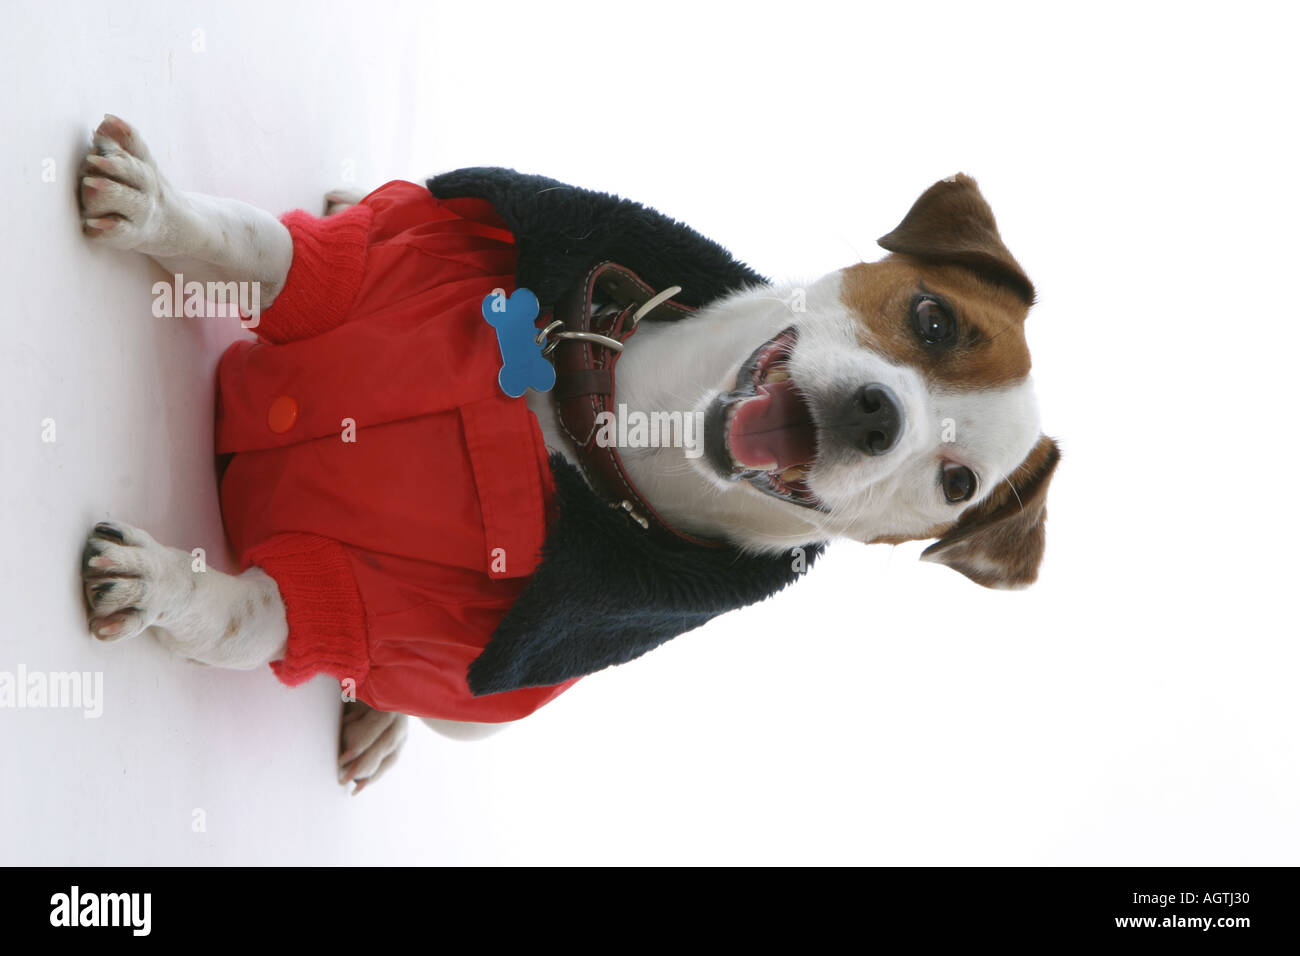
{"type": "Point", "coordinates": [885, 402]}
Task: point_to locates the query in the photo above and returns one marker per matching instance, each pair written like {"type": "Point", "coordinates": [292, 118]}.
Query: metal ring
{"type": "Point", "coordinates": [541, 336]}
{"type": "Point", "coordinates": [594, 337]}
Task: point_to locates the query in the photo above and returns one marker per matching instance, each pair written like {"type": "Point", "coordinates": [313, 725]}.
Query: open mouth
{"type": "Point", "coordinates": [763, 430]}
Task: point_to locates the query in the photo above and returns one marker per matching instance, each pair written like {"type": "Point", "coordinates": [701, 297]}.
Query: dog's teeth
{"type": "Point", "coordinates": [797, 473]}
{"type": "Point", "coordinates": [776, 375]}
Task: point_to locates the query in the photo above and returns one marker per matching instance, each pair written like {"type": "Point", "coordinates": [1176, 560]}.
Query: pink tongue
{"type": "Point", "coordinates": [773, 431]}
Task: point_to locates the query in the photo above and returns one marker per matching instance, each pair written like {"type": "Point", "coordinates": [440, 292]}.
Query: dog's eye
{"type": "Point", "coordinates": [958, 482]}
{"type": "Point", "coordinates": [932, 322]}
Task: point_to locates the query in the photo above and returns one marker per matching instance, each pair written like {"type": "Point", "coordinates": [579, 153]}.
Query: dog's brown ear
{"type": "Point", "coordinates": [999, 542]}
{"type": "Point", "coordinates": [951, 222]}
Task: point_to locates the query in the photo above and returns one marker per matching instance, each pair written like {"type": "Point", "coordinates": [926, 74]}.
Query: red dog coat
{"type": "Point", "coordinates": [375, 469]}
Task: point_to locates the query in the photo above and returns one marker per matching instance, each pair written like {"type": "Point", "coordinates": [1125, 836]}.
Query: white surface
{"type": "Point", "coordinates": [1137, 706]}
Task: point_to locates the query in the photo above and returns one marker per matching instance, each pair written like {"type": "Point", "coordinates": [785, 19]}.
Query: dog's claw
{"type": "Point", "coordinates": [369, 743]}
{"type": "Point", "coordinates": [113, 533]}
{"type": "Point", "coordinates": [114, 627]}
{"type": "Point", "coordinates": [128, 579]}
{"type": "Point", "coordinates": [125, 201]}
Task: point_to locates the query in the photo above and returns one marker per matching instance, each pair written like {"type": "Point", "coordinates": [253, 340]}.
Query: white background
{"type": "Point", "coordinates": [1138, 705]}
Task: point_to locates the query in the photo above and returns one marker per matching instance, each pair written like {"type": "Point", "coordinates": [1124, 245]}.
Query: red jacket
{"type": "Point", "coordinates": [399, 544]}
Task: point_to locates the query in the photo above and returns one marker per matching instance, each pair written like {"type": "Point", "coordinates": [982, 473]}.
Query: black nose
{"type": "Point", "coordinates": [871, 419]}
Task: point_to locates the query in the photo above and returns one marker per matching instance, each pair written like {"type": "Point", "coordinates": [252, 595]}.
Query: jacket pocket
{"type": "Point", "coordinates": [503, 452]}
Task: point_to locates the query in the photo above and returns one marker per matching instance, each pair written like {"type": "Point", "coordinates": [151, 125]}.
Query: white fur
{"type": "Point", "coordinates": [133, 583]}
{"type": "Point", "coordinates": [684, 365]}
{"type": "Point", "coordinates": [127, 203]}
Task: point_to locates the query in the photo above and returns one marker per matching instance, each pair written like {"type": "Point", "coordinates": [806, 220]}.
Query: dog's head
{"type": "Point", "coordinates": [896, 404]}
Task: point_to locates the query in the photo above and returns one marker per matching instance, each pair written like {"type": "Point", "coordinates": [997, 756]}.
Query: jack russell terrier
{"type": "Point", "coordinates": [892, 403]}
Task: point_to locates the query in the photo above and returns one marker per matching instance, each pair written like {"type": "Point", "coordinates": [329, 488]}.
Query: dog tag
{"type": "Point", "coordinates": [522, 364]}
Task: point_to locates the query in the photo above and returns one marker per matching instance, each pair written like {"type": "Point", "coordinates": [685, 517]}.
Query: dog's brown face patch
{"type": "Point", "coordinates": [950, 302]}
{"type": "Point", "coordinates": [989, 349]}
{"type": "Point", "coordinates": [999, 543]}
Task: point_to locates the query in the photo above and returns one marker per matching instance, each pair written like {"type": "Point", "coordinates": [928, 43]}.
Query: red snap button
{"type": "Point", "coordinates": [282, 414]}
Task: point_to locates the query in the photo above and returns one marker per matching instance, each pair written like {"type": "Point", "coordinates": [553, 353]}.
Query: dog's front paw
{"type": "Point", "coordinates": [125, 201]}
{"type": "Point", "coordinates": [131, 581]}
{"type": "Point", "coordinates": [369, 743]}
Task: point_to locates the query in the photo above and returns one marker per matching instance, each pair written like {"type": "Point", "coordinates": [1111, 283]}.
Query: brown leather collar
{"type": "Point", "coordinates": [584, 383]}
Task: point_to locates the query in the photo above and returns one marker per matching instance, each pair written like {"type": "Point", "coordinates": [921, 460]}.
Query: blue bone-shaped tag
{"type": "Point", "coordinates": [522, 363]}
